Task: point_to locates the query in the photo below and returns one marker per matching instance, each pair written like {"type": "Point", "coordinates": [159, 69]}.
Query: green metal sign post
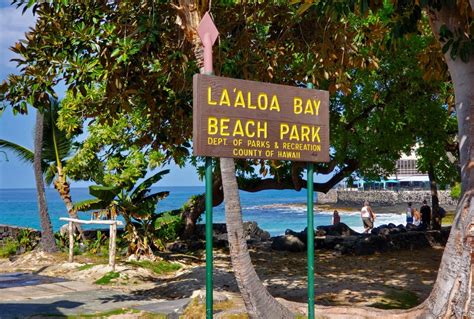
{"type": "Point", "coordinates": [209, 263]}
{"type": "Point", "coordinates": [310, 233]}
{"type": "Point", "coordinates": [208, 33]}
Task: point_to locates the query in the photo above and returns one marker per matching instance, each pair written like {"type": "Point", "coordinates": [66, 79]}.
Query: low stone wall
{"type": "Point", "coordinates": [7, 231]}
{"type": "Point", "coordinates": [383, 197]}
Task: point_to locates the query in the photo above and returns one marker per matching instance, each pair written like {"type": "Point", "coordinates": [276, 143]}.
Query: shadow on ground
{"type": "Point", "coordinates": [179, 287]}
{"type": "Point", "coordinates": [24, 309]}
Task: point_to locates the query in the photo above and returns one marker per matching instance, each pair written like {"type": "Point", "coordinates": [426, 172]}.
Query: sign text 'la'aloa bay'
{"type": "Point", "coordinates": [246, 119]}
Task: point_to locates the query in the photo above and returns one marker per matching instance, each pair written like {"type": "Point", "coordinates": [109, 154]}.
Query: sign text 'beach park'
{"type": "Point", "coordinates": [246, 119]}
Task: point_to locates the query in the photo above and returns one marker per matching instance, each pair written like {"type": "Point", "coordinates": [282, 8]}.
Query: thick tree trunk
{"type": "Point", "coordinates": [259, 303]}
{"type": "Point", "coordinates": [48, 243]}
{"type": "Point", "coordinates": [451, 295]}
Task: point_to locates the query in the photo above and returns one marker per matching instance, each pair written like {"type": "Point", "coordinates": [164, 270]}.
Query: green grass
{"type": "Point", "coordinates": [85, 267]}
{"type": "Point", "coordinates": [107, 278]}
{"type": "Point", "coordinates": [159, 267]}
{"type": "Point", "coordinates": [448, 219]}
{"type": "Point", "coordinates": [397, 299]}
{"type": "Point", "coordinates": [8, 247]}
{"type": "Point", "coordinates": [196, 309]}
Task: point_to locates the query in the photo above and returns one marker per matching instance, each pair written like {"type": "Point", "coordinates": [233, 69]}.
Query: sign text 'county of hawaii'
{"type": "Point", "coordinates": [246, 119]}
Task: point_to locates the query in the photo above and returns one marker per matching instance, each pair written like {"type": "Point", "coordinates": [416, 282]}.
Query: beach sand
{"type": "Point", "coordinates": [390, 280]}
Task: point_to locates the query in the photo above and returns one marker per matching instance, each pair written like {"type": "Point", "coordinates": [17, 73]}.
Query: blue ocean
{"type": "Point", "coordinates": [273, 210]}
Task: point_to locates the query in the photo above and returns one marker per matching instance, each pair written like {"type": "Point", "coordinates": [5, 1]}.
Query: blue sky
{"type": "Point", "coordinates": [19, 129]}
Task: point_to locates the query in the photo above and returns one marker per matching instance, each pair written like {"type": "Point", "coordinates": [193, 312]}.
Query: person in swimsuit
{"type": "Point", "coordinates": [368, 217]}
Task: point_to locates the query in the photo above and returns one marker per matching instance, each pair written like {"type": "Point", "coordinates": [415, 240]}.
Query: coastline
{"type": "Point", "coordinates": [378, 208]}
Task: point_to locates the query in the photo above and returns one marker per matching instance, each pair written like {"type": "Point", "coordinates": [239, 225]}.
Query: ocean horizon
{"type": "Point", "coordinates": [273, 210]}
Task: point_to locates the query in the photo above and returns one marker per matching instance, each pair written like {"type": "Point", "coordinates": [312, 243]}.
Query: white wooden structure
{"type": "Point", "coordinates": [112, 235]}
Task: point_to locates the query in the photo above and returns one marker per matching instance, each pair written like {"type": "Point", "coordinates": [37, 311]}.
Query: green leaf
{"type": "Point", "coordinates": [104, 193]}
{"type": "Point", "coordinates": [304, 7]}
{"type": "Point", "coordinates": [138, 192]}
{"type": "Point", "coordinates": [454, 49]}
{"type": "Point", "coordinates": [90, 204]}
{"type": "Point", "coordinates": [115, 52]}
{"type": "Point", "coordinates": [156, 197]}
{"type": "Point", "coordinates": [24, 154]}
{"type": "Point", "coordinates": [447, 45]}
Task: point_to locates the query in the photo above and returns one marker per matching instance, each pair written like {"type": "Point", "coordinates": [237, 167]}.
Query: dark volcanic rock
{"type": "Point", "coordinates": [251, 232]}
{"type": "Point", "coordinates": [364, 247]}
{"type": "Point", "coordinates": [288, 243]}
{"type": "Point", "coordinates": [383, 238]}
{"type": "Point", "coordinates": [340, 229]}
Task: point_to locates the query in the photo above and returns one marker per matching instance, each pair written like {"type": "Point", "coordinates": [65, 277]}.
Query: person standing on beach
{"type": "Point", "coordinates": [409, 214]}
{"type": "Point", "coordinates": [336, 219]}
{"type": "Point", "coordinates": [425, 211]}
{"type": "Point", "coordinates": [368, 217]}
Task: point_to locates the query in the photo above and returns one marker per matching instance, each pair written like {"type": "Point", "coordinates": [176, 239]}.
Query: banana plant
{"type": "Point", "coordinates": [136, 206]}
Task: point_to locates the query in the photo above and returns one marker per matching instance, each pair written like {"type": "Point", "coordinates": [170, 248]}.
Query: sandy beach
{"type": "Point", "coordinates": [400, 279]}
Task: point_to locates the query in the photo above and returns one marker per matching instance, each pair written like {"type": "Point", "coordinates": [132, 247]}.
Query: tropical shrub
{"type": "Point", "coordinates": [456, 191]}
{"type": "Point", "coordinates": [145, 230]}
{"type": "Point", "coordinates": [8, 247]}
{"type": "Point", "coordinates": [27, 239]}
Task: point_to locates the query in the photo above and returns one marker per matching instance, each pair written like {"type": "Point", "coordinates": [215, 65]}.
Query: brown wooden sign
{"type": "Point", "coordinates": [246, 119]}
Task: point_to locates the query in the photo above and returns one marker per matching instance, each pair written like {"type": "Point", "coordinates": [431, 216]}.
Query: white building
{"type": "Point", "coordinates": [406, 176]}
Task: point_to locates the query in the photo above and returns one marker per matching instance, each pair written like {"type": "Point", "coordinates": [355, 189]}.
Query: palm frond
{"type": "Point", "coordinates": [50, 131]}
{"type": "Point", "coordinates": [50, 173]}
{"type": "Point", "coordinates": [25, 155]}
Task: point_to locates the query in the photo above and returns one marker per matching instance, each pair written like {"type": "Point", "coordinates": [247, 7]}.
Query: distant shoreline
{"type": "Point", "coordinates": [378, 209]}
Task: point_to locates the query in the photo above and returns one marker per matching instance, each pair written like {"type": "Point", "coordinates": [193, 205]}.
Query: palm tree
{"type": "Point", "coordinates": [257, 299]}
{"type": "Point", "coordinates": [47, 236]}
{"type": "Point", "coordinates": [56, 147]}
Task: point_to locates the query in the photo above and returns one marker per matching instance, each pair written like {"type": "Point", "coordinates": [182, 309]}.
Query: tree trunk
{"type": "Point", "coordinates": [197, 205]}
{"type": "Point", "coordinates": [451, 295]}
{"type": "Point", "coordinates": [259, 303]}
{"type": "Point", "coordinates": [48, 243]}
{"type": "Point", "coordinates": [436, 220]}
{"type": "Point", "coordinates": [64, 190]}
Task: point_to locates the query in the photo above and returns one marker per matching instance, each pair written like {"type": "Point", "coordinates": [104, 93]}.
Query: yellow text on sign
{"type": "Point", "coordinates": [237, 128]}
{"type": "Point", "coordinates": [300, 132]}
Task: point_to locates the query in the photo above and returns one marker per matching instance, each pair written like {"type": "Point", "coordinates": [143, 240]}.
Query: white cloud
{"type": "Point", "coordinates": [13, 25]}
